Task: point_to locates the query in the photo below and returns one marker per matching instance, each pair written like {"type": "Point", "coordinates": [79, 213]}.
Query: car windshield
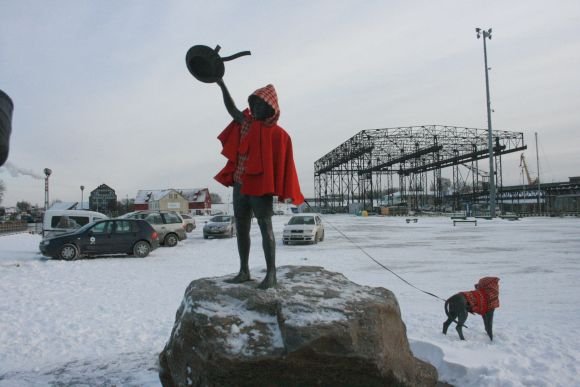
{"type": "Point", "coordinates": [301, 220]}
{"type": "Point", "coordinates": [221, 219]}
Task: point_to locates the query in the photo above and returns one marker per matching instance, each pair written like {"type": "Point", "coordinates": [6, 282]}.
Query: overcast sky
{"type": "Point", "coordinates": [102, 93]}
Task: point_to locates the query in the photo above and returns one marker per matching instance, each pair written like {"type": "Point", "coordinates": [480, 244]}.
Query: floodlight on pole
{"type": "Point", "coordinates": [487, 35]}
{"type": "Point", "coordinates": [82, 190]}
{"type": "Point", "coordinates": [47, 173]}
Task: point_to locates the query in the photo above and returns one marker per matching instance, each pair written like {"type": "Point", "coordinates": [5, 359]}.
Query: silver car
{"type": "Point", "coordinates": [168, 224]}
{"type": "Point", "coordinates": [220, 226]}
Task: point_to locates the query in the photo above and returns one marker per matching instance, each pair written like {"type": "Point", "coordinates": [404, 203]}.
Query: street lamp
{"type": "Point", "coordinates": [487, 35]}
{"type": "Point", "coordinates": [47, 173]}
{"type": "Point", "coordinates": [82, 190]}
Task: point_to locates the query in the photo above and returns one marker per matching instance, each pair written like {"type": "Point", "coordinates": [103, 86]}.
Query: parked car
{"type": "Point", "coordinates": [168, 224]}
{"type": "Point", "coordinates": [304, 228]}
{"type": "Point", "coordinates": [57, 222]}
{"type": "Point", "coordinates": [220, 226]}
{"type": "Point", "coordinates": [189, 222]}
{"type": "Point", "coordinates": [111, 236]}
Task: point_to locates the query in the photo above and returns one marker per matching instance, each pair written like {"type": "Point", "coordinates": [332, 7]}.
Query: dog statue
{"type": "Point", "coordinates": [484, 300]}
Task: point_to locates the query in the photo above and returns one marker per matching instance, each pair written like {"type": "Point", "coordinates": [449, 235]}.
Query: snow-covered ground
{"type": "Point", "coordinates": [104, 321]}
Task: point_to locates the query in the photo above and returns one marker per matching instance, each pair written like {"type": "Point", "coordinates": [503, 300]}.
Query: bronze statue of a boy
{"type": "Point", "coordinates": [260, 164]}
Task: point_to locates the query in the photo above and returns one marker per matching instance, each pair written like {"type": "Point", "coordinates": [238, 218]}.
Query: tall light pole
{"type": "Point", "coordinates": [82, 191]}
{"type": "Point", "coordinates": [487, 35]}
{"type": "Point", "coordinates": [538, 179]}
{"type": "Point", "coordinates": [47, 173]}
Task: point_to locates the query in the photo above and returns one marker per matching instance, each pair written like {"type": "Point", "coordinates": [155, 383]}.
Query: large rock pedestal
{"type": "Point", "coordinates": [315, 329]}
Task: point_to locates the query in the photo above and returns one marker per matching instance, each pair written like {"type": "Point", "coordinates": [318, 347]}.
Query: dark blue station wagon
{"type": "Point", "coordinates": [104, 237]}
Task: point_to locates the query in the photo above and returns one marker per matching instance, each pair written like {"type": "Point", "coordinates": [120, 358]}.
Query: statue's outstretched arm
{"type": "Point", "coordinates": [236, 114]}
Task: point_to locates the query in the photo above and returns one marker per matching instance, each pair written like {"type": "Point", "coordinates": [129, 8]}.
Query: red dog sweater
{"type": "Point", "coordinates": [485, 297]}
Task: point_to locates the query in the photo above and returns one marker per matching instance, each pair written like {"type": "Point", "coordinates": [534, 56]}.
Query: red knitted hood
{"type": "Point", "coordinates": [268, 94]}
{"type": "Point", "coordinates": [489, 284]}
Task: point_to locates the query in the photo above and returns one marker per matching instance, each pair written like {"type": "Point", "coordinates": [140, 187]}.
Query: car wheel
{"type": "Point", "coordinates": [205, 236]}
{"type": "Point", "coordinates": [141, 249]}
{"type": "Point", "coordinates": [170, 240]}
{"type": "Point", "coordinates": [322, 236]}
{"type": "Point", "coordinates": [189, 227]}
{"type": "Point", "coordinates": [68, 252]}
{"type": "Point", "coordinates": [284, 242]}
{"type": "Point", "coordinates": [315, 241]}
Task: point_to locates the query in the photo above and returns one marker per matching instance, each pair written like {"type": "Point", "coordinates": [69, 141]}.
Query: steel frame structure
{"type": "Point", "coordinates": [364, 167]}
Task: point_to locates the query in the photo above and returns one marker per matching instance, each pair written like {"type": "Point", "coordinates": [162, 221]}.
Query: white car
{"type": "Point", "coordinates": [58, 222]}
{"type": "Point", "coordinates": [304, 228]}
{"type": "Point", "coordinates": [189, 222]}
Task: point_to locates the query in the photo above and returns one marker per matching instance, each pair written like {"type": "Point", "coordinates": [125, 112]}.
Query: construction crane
{"type": "Point", "coordinates": [524, 166]}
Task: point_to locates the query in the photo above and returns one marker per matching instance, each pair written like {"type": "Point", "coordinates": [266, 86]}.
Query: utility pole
{"type": "Point", "coordinates": [487, 35]}
{"type": "Point", "coordinates": [47, 173]}
{"type": "Point", "coordinates": [538, 178]}
{"type": "Point", "coordinates": [82, 192]}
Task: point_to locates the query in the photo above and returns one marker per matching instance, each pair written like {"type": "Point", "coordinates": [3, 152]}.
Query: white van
{"type": "Point", "coordinates": [58, 222]}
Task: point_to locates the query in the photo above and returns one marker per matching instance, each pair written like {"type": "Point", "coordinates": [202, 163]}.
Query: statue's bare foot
{"type": "Point", "coordinates": [268, 282]}
{"type": "Point", "coordinates": [241, 277]}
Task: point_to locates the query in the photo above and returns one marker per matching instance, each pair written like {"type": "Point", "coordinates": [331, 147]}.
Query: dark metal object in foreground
{"type": "Point", "coordinates": [6, 108]}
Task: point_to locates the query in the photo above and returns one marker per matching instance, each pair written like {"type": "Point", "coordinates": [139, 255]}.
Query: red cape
{"type": "Point", "coordinates": [269, 169]}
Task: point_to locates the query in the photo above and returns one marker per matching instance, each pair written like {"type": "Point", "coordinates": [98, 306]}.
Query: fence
{"type": "Point", "coordinates": [16, 226]}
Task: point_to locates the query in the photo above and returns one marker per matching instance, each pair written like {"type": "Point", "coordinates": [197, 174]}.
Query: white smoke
{"type": "Point", "coordinates": [17, 171]}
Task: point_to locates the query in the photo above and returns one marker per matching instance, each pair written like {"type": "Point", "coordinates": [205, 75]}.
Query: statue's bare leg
{"type": "Point", "coordinates": [269, 246]}
{"type": "Point", "coordinates": [243, 226]}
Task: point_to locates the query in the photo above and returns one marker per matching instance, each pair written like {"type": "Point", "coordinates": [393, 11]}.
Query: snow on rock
{"type": "Point", "coordinates": [315, 327]}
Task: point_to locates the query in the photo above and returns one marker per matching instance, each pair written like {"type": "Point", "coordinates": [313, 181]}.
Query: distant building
{"type": "Point", "coordinates": [196, 200]}
{"type": "Point", "coordinates": [103, 199]}
{"type": "Point", "coordinates": [162, 200]}
{"type": "Point", "coordinates": [563, 197]}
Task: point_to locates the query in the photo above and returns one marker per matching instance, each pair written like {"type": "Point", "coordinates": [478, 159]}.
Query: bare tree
{"type": "Point", "coordinates": [443, 183]}
{"type": "Point", "coordinates": [23, 206]}
{"type": "Point", "coordinates": [215, 198]}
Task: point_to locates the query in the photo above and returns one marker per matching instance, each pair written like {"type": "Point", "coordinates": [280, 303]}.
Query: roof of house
{"type": "Point", "coordinates": [191, 195]}
{"type": "Point", "coordinates": [103, 187]}
{"type": "Point", "coordinates": [194, 195]}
